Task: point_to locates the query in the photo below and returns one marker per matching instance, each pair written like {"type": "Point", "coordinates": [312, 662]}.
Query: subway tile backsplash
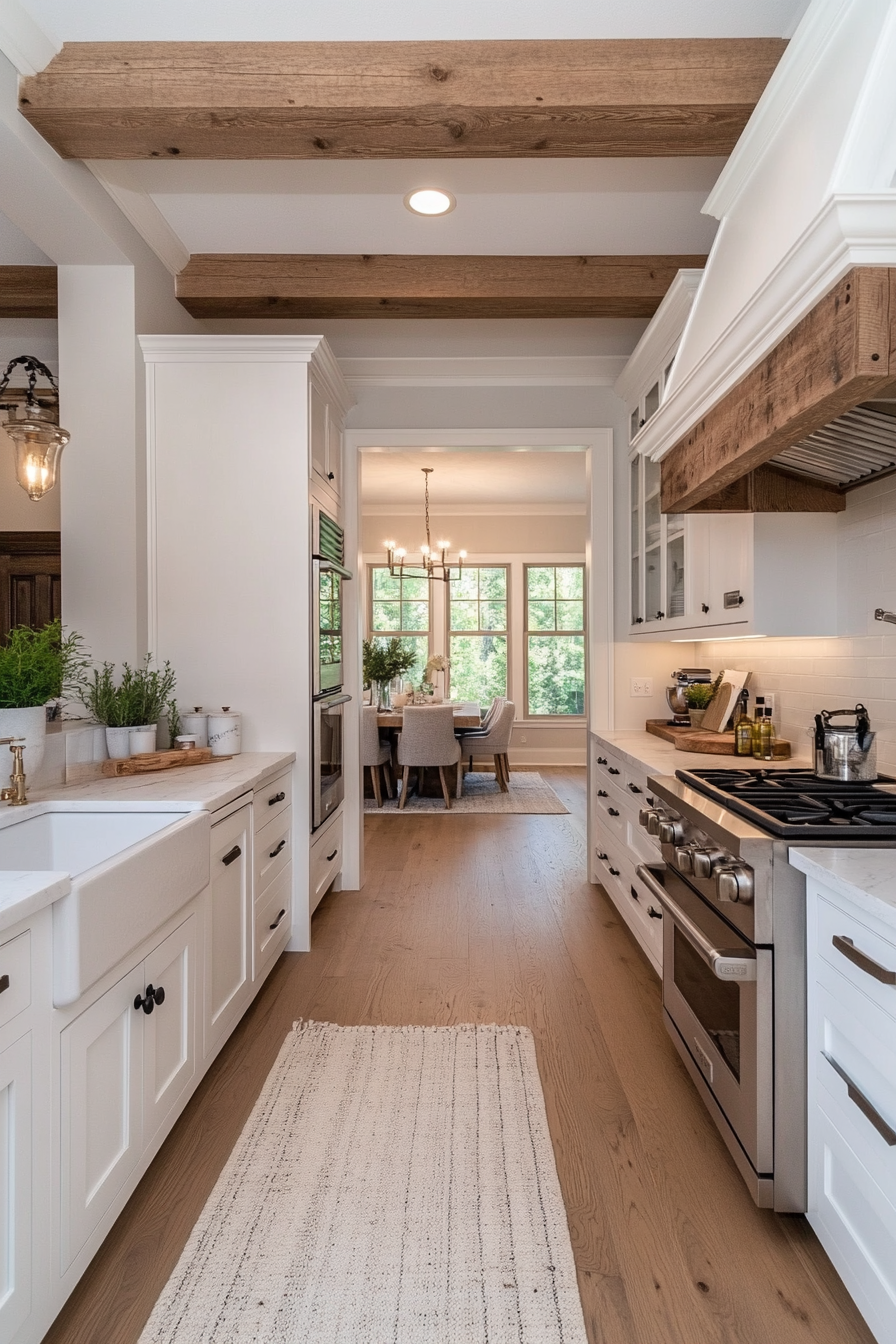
{"type": "Point", "coordinates": [808, 675]}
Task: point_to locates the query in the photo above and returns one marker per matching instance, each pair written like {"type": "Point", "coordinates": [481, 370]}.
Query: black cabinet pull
{"type": "Point", "coordinates": [704, 608]}
{"type": "Point", "coordinates": [274, 852]}
{"type": "Point", "coordinates": [602, 856]}
{"type": "Point", "coordinates": [634, 892]}
{"type": "Point", "coordinates": [331, 857]}
{"type": "Point", "coordinates": [153, 996]}
{"type": "Point", "coordinates": [639, 620]}
{"type": "Point", "coordinates": [634, 788]}
{"type": "Point", "coordinates": [601, 760]}
{"type": "Point", "coordinates": [277, 798]}
{"type": "Point", "coordinates": [654, 914]}
{"type": "Point", "coordinates": [615, 872]}
{"type": "Point", "coordinates": [660, 616]}
{"type": "Point", "coordinates": [231, 855]}
{"type": "Point", "coordinates": [602, 793]}
{"type": "Point", "coordinates": [278, 919]}
{"type": "Point", "coordinates": [612, 811]}
{"type": "Point", "coordinates": [650, 802]}
{"type": "Point", "coordinates": [4, 983]}
{"type": "Point", "coordinates": [612, 770]}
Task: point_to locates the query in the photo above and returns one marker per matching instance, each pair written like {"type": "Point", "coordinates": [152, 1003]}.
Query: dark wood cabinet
{"type": "Point", "coordinates": [30, 579]}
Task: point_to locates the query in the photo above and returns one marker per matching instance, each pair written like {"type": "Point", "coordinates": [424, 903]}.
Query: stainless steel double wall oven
{"type": "Point", "coordinates": [328, 573]}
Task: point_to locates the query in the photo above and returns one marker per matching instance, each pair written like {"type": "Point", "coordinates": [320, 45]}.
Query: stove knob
{"type": "Point", "coordinates": [705, 862]}
{"type": "Point", "coordinates": [671, 832]}
{"type": "Point", "coordinates": [684, 856]}
{"type": "Point", "coordinates": [650, 819]}
{"type": "Point", "coordinates": [735, 883]}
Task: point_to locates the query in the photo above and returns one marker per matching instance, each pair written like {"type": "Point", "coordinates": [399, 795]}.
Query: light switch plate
{"type": "Point", "coordinates": [642, 686]}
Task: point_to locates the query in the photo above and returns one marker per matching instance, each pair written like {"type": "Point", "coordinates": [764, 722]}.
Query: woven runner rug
{"type": "Point", "coordinates": [528, 792]}
{"type": "Point", "coordinates": [393, 1185]}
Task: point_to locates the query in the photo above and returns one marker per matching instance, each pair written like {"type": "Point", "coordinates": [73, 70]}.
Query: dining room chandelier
{"type": "Point", "coordinates": [434, 562]}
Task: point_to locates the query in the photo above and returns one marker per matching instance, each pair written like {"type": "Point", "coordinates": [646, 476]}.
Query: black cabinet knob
{"type": "Point", "coordinates": [660, 616]}
{"type": "Point", "coordinates": [612, 770]}
{"type": "Point", "coordinates": [612, 811]}
{"type": "Point", "coordinates": [654, 914]}
{"type": "Point", "coordinates": [152, 997]}
{"type": "Point", "coordinates": [601, 760]}
{"type": "Point", "coordinates": [634, 788]}
{"type": "Point", "coordinates": [601, 856]}
{"type": "Point", "coordinates": [331, 475]}
{"type": "Point", "coordinates": [615, 872]}
{"type": "Point", "coordinates": [602, 793]}
{"type": "Point", "coordinates": [704, 608]}
{"type": "Point", "coordinates": [639, 620]}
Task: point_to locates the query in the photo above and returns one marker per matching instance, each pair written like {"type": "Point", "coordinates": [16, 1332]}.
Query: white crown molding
{"type": "Point", "coordinates": [652, 351]}
{"type": "Point", "coordinates": [526, 371]}
{"type": "Point", "coordinates": [137, 206]}
{"type": "Point", "coordinates": [570, 510]}
{"type": "Point", "coordinates": [816, 30]}
{"type": "Point", "coordinates": [25, 44]}
{"type": "Point", "coordinates": [511, 440]}
{"type": "Point", "coordinates": [848, 231]}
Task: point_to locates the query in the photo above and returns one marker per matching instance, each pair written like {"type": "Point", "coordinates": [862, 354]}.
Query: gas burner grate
{"type": "Point", "coordinates": [796, 803]}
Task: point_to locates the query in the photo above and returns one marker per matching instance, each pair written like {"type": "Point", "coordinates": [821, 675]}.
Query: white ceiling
{"type": "Point", "coordinates": [478, 478]}
{"type": "Point", "coordinates": [506, 206]}
{"type": "Point", "coordinates": [396, 20]}
{"type": "Point", "coordinates": [16, 248]}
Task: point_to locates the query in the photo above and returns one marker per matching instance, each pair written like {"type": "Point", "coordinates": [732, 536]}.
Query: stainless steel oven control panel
{"type": "Point", "coordinates": [717, 874]}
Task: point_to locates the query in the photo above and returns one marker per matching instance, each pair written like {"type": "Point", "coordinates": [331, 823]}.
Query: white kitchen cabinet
{"type": "Point", "coordinates": [16, 1182]}
{"type": "Point", "coordinates": [326, 417]}
{"type": "Point", "coordinates": [169, 1031]}
{"type": "Point", "coordinates": [228, 944]}
{"type": "Point", "coordinates": [852, 1099]}
{"type": "Point", "coordinates": [326, 859]}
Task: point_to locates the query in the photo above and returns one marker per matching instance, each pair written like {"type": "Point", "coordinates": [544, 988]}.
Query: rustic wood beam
{"type": "Point", "coordinates": [219, 285]}
{"type": "Point", "coordinates": [841, 353]}
{"type": "Point", "coordinates": [768, 489]}
{"type": "Point", "coordinates": [27, 291]}
{"type": "Point", "coordinates": [348, 100]}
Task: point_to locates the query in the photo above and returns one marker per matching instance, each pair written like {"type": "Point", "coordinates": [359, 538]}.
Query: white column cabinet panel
{"type": "Point", "coordinates": [228, 957]}
{"type": "Point", "coordinates": [16, 1181]}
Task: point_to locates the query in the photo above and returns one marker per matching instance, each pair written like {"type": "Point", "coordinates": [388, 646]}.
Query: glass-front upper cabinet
{"type": "Point", "coordinates": [659, 593]}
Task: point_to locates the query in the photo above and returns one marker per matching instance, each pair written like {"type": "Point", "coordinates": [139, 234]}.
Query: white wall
{"type": "Point", "coordinates": [808, 675]}
{"type": "Point", "coordinates": [513, 533]}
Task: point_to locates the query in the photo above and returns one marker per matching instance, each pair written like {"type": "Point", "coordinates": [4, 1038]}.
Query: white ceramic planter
{"type": "Point", "coordinates": [143, 739]}
{"type": "Point", "coordinates": [31, 724]}
{"type": "Point", "coordinates": [118, 743]}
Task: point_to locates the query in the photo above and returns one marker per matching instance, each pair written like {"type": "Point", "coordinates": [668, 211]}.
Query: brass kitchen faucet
{"type": "Point", "coordinates": [15, 795]}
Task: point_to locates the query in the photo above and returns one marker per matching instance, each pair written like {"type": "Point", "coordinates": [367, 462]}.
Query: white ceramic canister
{"type": "Point", "coordinates": [143, 739]}
{"type": "Point", "coordinates": [195, 725]}
{"type": "Point", "coordinates": [225, 732]}
{"type": "Point", "coordinates": [118, 743]}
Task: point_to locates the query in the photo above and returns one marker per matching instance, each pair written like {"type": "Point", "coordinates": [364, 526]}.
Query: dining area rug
{"type": "Point", "coordinates": [528, 792]}
{"type": "Point", "coordinates": [391, 1184]}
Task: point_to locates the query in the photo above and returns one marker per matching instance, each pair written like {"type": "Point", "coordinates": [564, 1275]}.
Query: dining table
{"type": "Point", "coordinates": [466, 715]}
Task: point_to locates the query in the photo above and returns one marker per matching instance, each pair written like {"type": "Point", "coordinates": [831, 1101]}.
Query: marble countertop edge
{"type": "Point", "coordinates": [866, 877]}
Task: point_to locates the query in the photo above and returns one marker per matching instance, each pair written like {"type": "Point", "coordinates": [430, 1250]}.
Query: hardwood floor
{"type": "Point", "coordinates": [490, 919]}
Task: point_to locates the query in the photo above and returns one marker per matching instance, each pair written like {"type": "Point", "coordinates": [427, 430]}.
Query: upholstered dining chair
{"type": "Point", "coordinates": [375, 755]}
{"type": "Point", "coordinates": [496, 742]}
{"type": "Point", "coordinates": [427, 738]}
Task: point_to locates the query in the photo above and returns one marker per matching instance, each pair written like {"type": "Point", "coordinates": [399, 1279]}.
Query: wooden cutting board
{"type": "Point", "coordinates": [666, 730]}
{"type": "Point", "coordinates": [149, 761]}
{"type": "Point", "coordinates": [712, 744]}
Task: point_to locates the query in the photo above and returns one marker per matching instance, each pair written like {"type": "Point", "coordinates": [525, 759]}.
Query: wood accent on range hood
{"type": "Point", "coordinates": [239, 286]}
{"type": "Point", "coordinates": [841, 353]}
{"type": "Point", "coordinates": [27, 291]}
{"type": "Point", "coordinates": [398, 100]}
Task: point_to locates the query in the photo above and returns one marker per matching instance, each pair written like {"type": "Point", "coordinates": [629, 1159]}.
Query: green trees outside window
{"type": "Point", "coordinates": [400, 606]}
{"type": "Point", "coordinates": [555, 639]}
{"type": "Point", "coordinates": [477, 633]}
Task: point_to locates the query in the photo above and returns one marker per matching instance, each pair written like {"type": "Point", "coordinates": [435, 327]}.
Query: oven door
{"type": "Point", "coordinates": [718, 994]}
{"type": "Point", "coordinates": [326, 627]}
{"type": "Point", "coordinates": [328, 767]}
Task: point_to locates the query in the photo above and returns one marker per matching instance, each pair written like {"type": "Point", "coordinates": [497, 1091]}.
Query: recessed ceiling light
{"type": "Point", "coordinates": [430, 201]}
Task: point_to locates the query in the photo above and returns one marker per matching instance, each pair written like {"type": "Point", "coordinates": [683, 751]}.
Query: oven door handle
{"type": "Point", "coordinates": [331, 565]}
{"type": "Point", "coordinates": [720, 961]}
{"type": "Point", "coordinates": [330, 702]}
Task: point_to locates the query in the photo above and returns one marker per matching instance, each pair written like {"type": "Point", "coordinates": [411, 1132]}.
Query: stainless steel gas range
{"type": "Point", "coordinates": [734, 948]}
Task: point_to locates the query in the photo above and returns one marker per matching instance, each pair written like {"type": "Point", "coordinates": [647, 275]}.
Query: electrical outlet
{"type": "Point", "coordinates": [770, 702]}
{"type": "Point", "coordinates": [524, 740]}
{"type": "Point", "coordinates": [642, 686]}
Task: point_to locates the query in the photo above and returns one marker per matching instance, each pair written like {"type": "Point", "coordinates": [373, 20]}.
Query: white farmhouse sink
{"type": "Point", "coordinates": [131, 870]}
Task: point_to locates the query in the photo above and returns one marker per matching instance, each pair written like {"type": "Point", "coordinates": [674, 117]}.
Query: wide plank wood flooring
{"type": "Point", "coordinates": [491, 919]}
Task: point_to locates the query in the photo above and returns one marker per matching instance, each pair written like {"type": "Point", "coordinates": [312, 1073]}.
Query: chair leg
{"type": "Point", "coordinates": [506, 759]}
{"type": "Point", "coordinates": [445, 794]}
{"type": "Point", "coordinates": [404, 786]}
{"type": "Point", "coordinates": [499, 775]}
{"type": "Point", "coordinates": [421, 775]}
{"type": "Point", "coordinates": [387, 780]}
{"type": "Point", "coordinates": [377, 791]}
{"type": "Point", "coordinates": [460, 778]}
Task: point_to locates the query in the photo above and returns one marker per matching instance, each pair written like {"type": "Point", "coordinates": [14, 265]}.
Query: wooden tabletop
{"type": "Point", "coordinates": [462, 718]}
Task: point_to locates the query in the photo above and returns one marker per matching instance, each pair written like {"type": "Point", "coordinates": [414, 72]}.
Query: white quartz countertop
{"type": "Point", "coordinates": [190, 788]}
{"type": "Point", "coordinates": [647, 752]}
{"type": "Point", "coordinates": [867, 877]}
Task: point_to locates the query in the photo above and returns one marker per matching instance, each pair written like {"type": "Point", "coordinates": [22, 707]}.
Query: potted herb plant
{"type": "Point", "coordinates": [37, 666]}
{"type": "Point", "coordinates": [698, 698]}
{"type": "Point", "coordinates": [137, 702]}
{"type": "Point", "coordinates": [385, 659]}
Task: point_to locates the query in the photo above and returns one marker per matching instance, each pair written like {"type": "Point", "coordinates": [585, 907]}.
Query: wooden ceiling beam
{"type": "Point", "coordinates": [398, 100]}
{"type": "Point", "coordinates": [768, 489]}
{"type": "Point", "coordinates": [841, 353]}
{"type": "Point", "coordinates": [27, 291]}
{"type": "Point", "coordinates": [217, 285]}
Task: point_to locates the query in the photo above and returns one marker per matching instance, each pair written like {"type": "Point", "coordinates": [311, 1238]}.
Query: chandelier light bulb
{"type": "Point", "coordinates": [462, 554]}
{"type": "Point", "coordinates": [430, 201]}
{"type": "Point", "coordinates": [389, 545]}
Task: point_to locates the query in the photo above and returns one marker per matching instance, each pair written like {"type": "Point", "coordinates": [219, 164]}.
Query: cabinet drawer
{"type": "Point", "coordinates": [272, 799]}
{"type": "Point", "coordinates": [273, 850]}
{"type": "Point", "coordinates": [15, 977]}
{"type": "Point", "coordinates": [326, 862]}
{"type": "Point", "coordinates": [273, 921]}
{"type": "Point", "coordinates": [878, 953]}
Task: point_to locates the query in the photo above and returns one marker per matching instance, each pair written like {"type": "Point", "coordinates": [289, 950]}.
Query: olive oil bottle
{"type": "Point", "coordinates": [758, 721]}
{"type": "Point", "coordinates": [743, 728]}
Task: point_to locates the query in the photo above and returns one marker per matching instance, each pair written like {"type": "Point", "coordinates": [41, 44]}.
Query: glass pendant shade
{"type": "Point", "coordinates": [38, 444]}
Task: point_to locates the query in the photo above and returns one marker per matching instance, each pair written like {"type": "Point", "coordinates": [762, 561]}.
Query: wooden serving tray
{"type": "Point", "coordinates": [711, 744]}
{"type": "Point", "coordinates": [148, 761]}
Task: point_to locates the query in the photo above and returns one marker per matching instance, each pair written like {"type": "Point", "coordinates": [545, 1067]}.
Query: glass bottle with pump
{"type": "Point", "coordinates": [743, 728]}
{"type": "Point", "coordinates": [757, 727]}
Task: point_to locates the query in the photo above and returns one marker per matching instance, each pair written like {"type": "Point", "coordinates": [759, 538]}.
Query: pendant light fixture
{"type": "Point", "coordinates": [37, 437]}
{"type": "Point", "coordinates": [434, 563]}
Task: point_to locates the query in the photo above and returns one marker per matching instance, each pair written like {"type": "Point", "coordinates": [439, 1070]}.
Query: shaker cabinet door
{"type": "Point", "coordinates": [169, 1047]}
{"type": "Point", "coordinates": [15, 1186]}
{"type": "Point", "coordinates": [228, 959]}
{"type": "Point", "coordinates": [317, 431]}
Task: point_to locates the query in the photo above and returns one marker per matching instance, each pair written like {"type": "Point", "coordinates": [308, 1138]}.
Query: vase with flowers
{"type": "Point", "coordinates": [436, 663]}
{"type": "Point", "coordinates": [385, 660]}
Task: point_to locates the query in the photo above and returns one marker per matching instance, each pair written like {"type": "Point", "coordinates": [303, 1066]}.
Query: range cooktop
{"type": "Point", "coordinates": [796, 804]}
